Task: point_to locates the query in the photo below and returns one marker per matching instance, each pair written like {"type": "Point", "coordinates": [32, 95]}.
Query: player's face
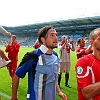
{"type": "Point", "coordinates": [97, 42]}
{"type": "Point", "coordinates": [51, 40]}
{"type": "Point", "coordinates": [82, 43]}
{"type": "Point", "coordinates": [64, 39]}
{"type": "Point", "coordinates": [13, 39]}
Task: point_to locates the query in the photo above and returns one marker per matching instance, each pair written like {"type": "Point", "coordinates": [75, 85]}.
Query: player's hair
{"type": "Point", "coordinates": [64, 36]}
{"type": "Point", "coordinates": [14, 36]}
{"type": "Point", "coordinates": [93, 33]}
{"type": "Point", "coordinates": [79, 40]}
{"type": "Point", "coordinates": [43, 31]}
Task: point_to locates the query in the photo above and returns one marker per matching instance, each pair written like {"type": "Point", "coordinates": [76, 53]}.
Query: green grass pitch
{"type": "Point", "coordinates": [5, 80]}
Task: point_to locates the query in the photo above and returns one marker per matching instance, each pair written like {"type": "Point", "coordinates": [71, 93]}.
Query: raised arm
{"type": "Point", "coordinates": [3, 31]}
{"type": "Point", "coordinates": [89, 49]}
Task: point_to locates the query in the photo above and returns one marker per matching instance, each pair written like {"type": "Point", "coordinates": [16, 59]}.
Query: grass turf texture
{"type": "Point", "coordinates": [5, 80]}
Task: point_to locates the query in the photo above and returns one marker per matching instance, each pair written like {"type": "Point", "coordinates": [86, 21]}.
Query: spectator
{"type": "Point", "coordinates": [65, 48]}
{"type": "Point", "coordinates": [81, 50]}
{"type": "Point", "coordinates": [42, 79]}
{"type": "Point", "coordinates": [12, 49]}
{"type": "Point", "coordinates": [4, 61]}
{"type": "Point", "coordinates": [88, 70]}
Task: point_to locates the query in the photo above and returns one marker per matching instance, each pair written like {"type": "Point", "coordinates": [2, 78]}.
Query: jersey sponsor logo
{"type": "Point", "coordinates": [79, 70]}
{"type": "Point", "coordinates": [88, 71]}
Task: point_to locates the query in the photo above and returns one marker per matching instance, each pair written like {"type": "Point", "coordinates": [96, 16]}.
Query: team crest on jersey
{"type": "Point", "coordinates": [79, 70]}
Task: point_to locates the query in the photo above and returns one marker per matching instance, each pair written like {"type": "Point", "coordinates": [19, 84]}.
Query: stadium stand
{"type": "Point", "coordinates": [4, 39]}
{"type": "Point", "coordinates": [75, 28]}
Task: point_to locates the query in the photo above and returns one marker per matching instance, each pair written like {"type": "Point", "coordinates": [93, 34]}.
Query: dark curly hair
{"type": "Point", "coordinates": [42, 32]}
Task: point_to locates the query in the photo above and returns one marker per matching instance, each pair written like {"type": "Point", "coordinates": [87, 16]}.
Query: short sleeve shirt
{"type": "Point", "coordinates": [87, 72]}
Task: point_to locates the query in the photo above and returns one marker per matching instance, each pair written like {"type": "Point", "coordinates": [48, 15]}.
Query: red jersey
{"type": "Point", "coordinates": [87, 72]}
{"type": "Point", "coordinates": [36, 46]}
{"type": "Point", "coordinates": [13, 51]}
{"type": "Point", "coordinates": [80, 52]}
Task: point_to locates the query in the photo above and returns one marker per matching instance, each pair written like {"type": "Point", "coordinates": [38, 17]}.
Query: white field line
{"type": "Point", "coordinates": [5, 95]}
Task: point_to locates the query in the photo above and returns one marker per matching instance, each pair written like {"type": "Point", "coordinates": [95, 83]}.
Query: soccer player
{"type": "Point", "coordinates": [81, 50]}
{"type": "Point", "coordinates": [88, 70]}
{"type": "Point", "coordinates": [65, 48]}
{"type": "Point", "coordinates": [42, 73]}
{"type": "Point", "coordinates": [12, 49]}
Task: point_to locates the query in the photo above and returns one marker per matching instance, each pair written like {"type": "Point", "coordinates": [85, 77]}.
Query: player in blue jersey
{"type": "Point", "coordinates": [42, 77]}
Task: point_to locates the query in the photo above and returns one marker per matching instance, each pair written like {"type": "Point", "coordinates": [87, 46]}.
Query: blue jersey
{"type": "Point", "coordinates": [42, 81]}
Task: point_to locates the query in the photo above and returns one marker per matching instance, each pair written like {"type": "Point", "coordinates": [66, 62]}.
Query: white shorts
{"type": "Point", "coordinates": [64, 66]}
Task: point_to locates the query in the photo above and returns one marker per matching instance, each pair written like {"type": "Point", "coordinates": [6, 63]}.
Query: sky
{"type": "Point", "coordinates": [23, 12]}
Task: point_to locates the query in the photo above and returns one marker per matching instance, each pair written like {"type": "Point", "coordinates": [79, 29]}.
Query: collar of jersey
{"type": "Point", "coordinates": [43, 48]}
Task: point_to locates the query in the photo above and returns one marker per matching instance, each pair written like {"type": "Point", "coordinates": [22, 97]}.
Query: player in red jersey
{"type": "Point", "coordinates": [81, 50]}
{"type": "Point", "coordinates": [12, 49]}
{"type": "Point", "coordinates": [88, 70]}
{"type": "Point", "coordinates": [36, 45]}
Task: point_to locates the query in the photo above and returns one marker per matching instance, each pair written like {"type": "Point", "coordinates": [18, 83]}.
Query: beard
{"type": "Point", "coordinates": [51, 46]}
{"type": "Point", "coordinates": [97, 47]}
